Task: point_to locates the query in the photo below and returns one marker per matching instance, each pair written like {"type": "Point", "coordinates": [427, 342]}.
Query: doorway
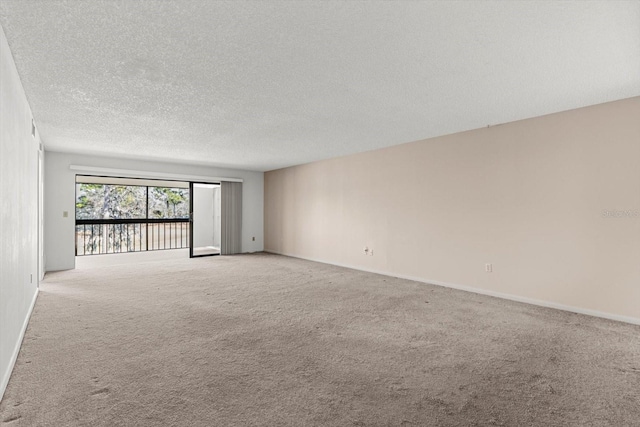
{"type": "Point", "coordinates": [206, 219]}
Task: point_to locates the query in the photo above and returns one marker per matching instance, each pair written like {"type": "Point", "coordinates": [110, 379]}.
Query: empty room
{"type": "Point", "coordinates": [319, 213]}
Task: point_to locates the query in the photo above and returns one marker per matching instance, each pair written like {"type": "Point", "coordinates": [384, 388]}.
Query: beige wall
{"type": "Point", "coordinates": [527, 197]}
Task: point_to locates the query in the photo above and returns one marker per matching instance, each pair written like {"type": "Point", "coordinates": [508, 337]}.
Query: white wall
{"type": "Point", "coordinates": [203, 216]}
{"type": "Point", "coordinates": [19, 213]}
{"type": "Point", "coordinates": [528, 197]}
{"type": "Point", "coordinates": [60, 197]}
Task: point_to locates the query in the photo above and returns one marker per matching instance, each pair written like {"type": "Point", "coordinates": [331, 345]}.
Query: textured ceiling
{"type": "Point", "coordinates": [263, 85]}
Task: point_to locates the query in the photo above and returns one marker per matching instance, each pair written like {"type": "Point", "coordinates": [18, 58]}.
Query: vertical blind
{"type": "Point", "coordinates": [231, 217]}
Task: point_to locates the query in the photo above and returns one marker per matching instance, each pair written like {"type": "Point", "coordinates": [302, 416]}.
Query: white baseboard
{"type": "Point", "coordinates": [541, 303]}
{"type": "Point", "coordinates": [16, 350]}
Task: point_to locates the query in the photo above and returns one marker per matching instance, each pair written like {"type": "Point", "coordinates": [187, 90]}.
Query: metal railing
{"type": "Point", "coordinates": [102, 236]}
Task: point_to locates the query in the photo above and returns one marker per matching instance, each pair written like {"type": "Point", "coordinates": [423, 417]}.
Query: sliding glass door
{"type": "Point", "coordinates": [205, 217]}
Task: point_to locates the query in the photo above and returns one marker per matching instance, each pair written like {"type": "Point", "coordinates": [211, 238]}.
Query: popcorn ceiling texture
{"type": "Point", "coordinates": [263, 85]}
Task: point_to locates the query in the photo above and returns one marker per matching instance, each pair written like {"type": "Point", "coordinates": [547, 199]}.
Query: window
{"type": "Point", "coordinates": [128, 215]}
{"type": "Point", "coordinates": [108, 201]}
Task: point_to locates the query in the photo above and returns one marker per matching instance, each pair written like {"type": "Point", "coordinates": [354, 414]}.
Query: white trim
{"type": "Point", "coordinates": [16, 350]}
{"type": "Point", "coordinates": [93, 179]}
{"type": "Point", "coordinates": [511, 297]}
{"type": "Point", "coordinates": [126, 173]}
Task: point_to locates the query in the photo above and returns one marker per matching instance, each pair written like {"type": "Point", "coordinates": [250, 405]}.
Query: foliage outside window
{"type": "Point", "coordinates": [165, 202]}
{"type": "Point", "coordinates": [106, 201]}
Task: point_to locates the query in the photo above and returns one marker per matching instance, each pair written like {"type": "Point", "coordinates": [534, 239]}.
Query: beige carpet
{"type": "Point", "coordinates": [264, 340]}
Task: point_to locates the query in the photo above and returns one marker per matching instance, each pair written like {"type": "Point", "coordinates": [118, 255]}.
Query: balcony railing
{"type": "Point", "coordinates": [102, 236]}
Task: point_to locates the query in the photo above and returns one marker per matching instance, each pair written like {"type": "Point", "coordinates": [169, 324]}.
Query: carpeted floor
{"type": "Point", "coordinates": [264, 340]}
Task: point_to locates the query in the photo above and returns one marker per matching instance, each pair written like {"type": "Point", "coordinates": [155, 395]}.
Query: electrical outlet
{"type": "Point", "coordinates": [371, 252]}
{"type": "Point", "coordinates": [65, 214]}
{"type": "Point", "coordinates": [366, 250]}
{"type": "Point", "coordinates": [488, 268]}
